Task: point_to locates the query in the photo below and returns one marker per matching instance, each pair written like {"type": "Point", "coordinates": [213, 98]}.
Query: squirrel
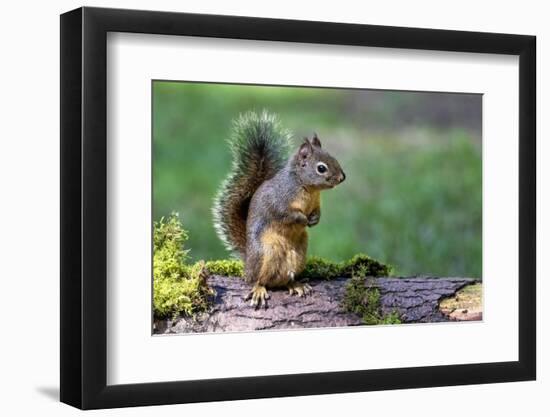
{"type": "Point", "coordinates": [264, 205]}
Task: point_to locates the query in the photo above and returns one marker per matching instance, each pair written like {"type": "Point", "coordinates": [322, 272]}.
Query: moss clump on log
{"type": "Point", "coordinates": [320, 268]}
{"type": "Point", "coordinates": [363, 298]}
{"type": "Point", "coordinates": [316, 267]}
{"type": "Point", "coordinates": [365, 266]}
{"type": "Point", "coordinates": [178, 288]}
{"type": "Point", "coordinates": [226, 267]}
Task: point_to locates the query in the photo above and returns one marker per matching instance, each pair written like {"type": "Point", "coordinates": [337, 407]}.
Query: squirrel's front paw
{"type": "Point", "coordinates": [313, 219]}
{"type": "Point", "coordinates": [301, 290]}
{"type": "Point", "coordinates": [258, 296]}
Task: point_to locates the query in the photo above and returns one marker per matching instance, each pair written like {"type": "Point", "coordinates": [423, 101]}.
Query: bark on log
{"type": "Point", "coordinates": [415, 299]}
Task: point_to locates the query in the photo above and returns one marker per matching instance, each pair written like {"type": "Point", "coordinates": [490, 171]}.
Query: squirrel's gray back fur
{"type": "Point", "coordinates": [259, 147]}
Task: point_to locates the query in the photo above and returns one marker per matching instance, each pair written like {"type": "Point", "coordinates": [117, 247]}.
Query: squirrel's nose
{"type": "Point", "coordinates": [342, 177]}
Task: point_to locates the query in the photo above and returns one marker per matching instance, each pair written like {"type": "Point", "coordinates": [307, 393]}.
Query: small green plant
{"type": "Point", "coordinates": [179, 288]}
{"type": "Point", "coordinates": [363, 298]}
{"type": "Point", "coordinates": [391, 318]}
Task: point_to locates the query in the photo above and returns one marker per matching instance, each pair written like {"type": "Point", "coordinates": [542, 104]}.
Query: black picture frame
{"type": "Point", "coordinates": [84, 207]}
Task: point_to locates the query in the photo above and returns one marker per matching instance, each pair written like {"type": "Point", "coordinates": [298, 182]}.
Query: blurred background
{"type": "Point", "coordinates": [413, 193]}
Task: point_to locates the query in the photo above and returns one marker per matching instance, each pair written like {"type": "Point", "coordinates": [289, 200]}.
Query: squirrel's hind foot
{"type": "Point", "coordinates": [258, 296]}
{"type": "Point", "coordinates": [298, 288]}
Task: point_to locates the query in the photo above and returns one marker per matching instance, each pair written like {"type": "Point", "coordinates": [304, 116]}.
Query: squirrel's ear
{"type": "Point", "coordinates": [305, 149]}
{"type": "Point", "coordinates": [315, 141]}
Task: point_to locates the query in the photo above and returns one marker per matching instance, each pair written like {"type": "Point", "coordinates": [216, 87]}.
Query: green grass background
{"type": "Point", "coordinates": [412, 196]}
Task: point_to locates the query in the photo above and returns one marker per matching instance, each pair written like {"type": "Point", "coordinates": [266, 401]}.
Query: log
{"type": "Point", "coordinates": [414, 299]}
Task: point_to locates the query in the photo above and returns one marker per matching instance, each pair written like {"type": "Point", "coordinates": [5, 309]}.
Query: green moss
{"type": "Point", "coordinates": [316, 267]}
{"type": "Point", "coordinates": [363, 298]}
{"type": "Point", "coordinates": [179, 288]}
{"type": "Point", "coordinates": [226, 267]}
{"type": "Point", "coordinates": [320, 268]}
{"type": "Point", "coordinates": [364, 265]}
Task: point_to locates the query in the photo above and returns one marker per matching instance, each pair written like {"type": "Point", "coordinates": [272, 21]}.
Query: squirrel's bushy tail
{"type": "Point", "coordinates": [259, 146]}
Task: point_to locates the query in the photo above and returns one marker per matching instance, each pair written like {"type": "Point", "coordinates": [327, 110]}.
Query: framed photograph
{"type": "Point", "coordinates": [256, 208]}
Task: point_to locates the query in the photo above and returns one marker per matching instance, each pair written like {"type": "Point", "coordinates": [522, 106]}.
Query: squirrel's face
{"type": "Point", "coordinates": [317, 168]}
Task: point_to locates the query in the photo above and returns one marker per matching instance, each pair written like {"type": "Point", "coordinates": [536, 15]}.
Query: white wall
{"type": "Point", "coordinates": [29, 175]}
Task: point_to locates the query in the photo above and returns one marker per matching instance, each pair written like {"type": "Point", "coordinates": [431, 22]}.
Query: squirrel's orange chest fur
{"type": "Point", "coordinates": [306, 201]}
{"type": "Point", "coordinates": [284, 246]}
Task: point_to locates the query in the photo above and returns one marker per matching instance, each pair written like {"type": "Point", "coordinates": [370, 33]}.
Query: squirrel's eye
{"type": "Point", "coordinates": [321, 168]}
